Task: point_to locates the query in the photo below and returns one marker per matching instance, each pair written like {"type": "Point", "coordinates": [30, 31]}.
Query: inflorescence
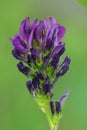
{"type": "Point", "coordinates": [39, 48]}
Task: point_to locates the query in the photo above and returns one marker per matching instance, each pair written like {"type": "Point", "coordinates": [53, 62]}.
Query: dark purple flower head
{"type": "Point", "coordinates": [39, 48]}
{"type": "Point", "coordinates": [46, 34]}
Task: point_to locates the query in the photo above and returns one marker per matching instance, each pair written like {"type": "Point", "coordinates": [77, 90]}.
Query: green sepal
{"type": "Point", "coordinates": [35, 45]}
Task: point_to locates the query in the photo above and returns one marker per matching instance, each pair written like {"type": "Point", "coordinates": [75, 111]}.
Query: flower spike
{"type": "Point", "coordinates": [39, 48]}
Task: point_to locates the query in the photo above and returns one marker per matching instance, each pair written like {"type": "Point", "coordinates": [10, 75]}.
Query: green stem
{"type": "Point", "coordinates": [51, 120]}
{"type": "Point", "coordinates": [51, 124]}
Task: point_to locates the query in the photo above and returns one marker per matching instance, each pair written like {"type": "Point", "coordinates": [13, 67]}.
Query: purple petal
{"type": "Point", "coordinates": [47, 86]}
{"type": "Point", "coordinates": [17, 54]}
{"type": "Point", "coordinates": [35, 83]}
{"type": "Point", "coordinates": [30, 39]}
{"type": "Point", "coordinates": [40, 31]}
{"type": "Point", "coordinates": [24, 28]}
{"type": "Point", "coordinates": [49, 44]}
{"type": "Point", "coordinates": [55, 60]}
{"type": "Point", "coordinates": [51, 32]}
{"type": "Point", "coordinates": [61, 33]}
{"type": "Point", "coordinates": [31, 35]}
{"type": "Point", "coordinates": [24, 69]}
{"type": "Point", "coordinates": [64, 97]}
{"type": "Point", "coordinates": [52, 21]}
{"type": "Point", "coordinates": [40, 75]}
{"type": "Point", "coordinates": [35, 23]}
{"type": "Point", "coordinates": [46, 60]}
{"type": "Point", "coordinates": [29, 86]}
{"type": "Point", "coordinates": [58, 107]}
{"type": "Point", "coordinates": [64, 70]}
{"type": "Point", "coordinates": [59, 50]}
{"type": "Point", "coordinates": [66, 61]}
{"type": "Point", "coordinates": [65, 66]}
{"type": "Point", "coordinates": [47, 24]}
{"type": "Point", "coordinates": [18, 44]}
{"type": "Point", "coordinates": [34, 54]}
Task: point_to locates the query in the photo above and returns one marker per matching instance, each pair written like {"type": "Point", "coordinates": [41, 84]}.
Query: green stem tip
{"type": "Point", "coordinates": [44, 105]}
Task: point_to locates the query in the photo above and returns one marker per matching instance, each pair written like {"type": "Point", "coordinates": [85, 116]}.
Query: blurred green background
{"type": "Point", "coordinates": [84, 2]}
{"type": "Point", "coordinates": [18, 111]}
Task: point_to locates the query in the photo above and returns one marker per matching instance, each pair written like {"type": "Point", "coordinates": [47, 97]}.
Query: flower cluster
{"type": "Point", "coordinates": [39, 48]}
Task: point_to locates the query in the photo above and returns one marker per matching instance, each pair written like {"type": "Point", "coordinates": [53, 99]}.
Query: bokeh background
{"type": "Point", "coordinates": [18, 111]}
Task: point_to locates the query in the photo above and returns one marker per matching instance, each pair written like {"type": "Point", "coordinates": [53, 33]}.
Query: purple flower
{"type": "Point", "coordinates": [56, 106]}
{"type": "Point", "coordinates": [39, 48]}
{"type": "Point", "coordinates": [47, 85]}
{"type": "Point", "coordinates": [29, 86]}
{"type": "Point", "coordinates": [24, 69]}
{"type": "Point", "coordinates": [57, 52]}
{"type": "Point", "coordinates": [46, 34]}
{"type": "Point", "coordinates": [40, 75]}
